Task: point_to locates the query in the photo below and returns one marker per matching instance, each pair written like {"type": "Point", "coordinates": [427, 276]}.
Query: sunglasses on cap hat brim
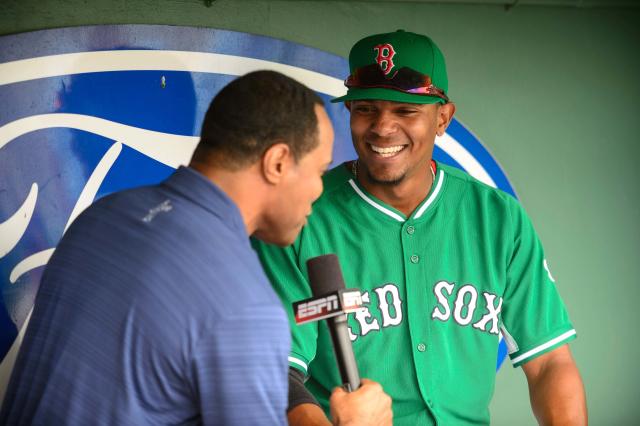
{"type": "Point", "coordinates": [404, 80]}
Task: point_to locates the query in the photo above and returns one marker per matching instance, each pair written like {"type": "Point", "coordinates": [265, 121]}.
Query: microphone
{"type": "Point", "coordinates": [331, 301]}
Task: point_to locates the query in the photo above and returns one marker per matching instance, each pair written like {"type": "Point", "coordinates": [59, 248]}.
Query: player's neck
{"type": "Point", "coordinates": [404, 196]}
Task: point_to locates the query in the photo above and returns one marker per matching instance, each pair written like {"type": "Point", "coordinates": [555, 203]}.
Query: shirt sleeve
{"type": "Point", "coordinates": [239, 369]}
{"type": "Point", "coordinates": [534, 318]}
{"type": "Point", "coordinates": [290, 283]}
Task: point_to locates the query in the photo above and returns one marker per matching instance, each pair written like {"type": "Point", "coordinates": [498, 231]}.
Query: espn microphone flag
{"type": "Point", "coordinates": [332, 301]}
{"type": "Point", "coordinates": [328, 305]}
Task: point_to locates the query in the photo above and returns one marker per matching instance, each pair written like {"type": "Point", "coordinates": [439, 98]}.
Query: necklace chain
{"type": "Point", "coordinates": [354, 171]}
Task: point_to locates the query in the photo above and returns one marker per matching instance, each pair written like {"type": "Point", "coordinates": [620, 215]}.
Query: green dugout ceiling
{"type": "Point", "coordinates": [551, 88]}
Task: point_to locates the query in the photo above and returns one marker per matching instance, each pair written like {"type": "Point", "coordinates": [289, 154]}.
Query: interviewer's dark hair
{"type": "Point", "coordinates": [252, 113]}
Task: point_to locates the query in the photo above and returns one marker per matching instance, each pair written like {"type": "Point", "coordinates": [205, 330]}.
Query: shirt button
{"type": "Point", "coordinates": [422, 347]}
{"type": "Point", "coordinates": [410, 230]}
{"type": "Point", "coordinates": [415, 258]}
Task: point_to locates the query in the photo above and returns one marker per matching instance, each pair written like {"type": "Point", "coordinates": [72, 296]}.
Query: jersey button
{"type": "Point", "coordinates": [410, 230]}
{"type": "Point", "coordinates": [415, 258]}
{"type": "Point", "coordinates": [422, 347]}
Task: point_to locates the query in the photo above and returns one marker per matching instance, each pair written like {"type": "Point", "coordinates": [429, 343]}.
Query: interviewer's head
{"type": "Point", "coordinates": [275, 132]}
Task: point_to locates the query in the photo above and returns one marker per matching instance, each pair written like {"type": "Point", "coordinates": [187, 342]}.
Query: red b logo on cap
{"type": "Point", "coordinates": [384, 57]}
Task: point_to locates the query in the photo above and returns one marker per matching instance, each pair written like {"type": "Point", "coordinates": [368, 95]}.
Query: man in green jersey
{"type": "Point", "coordinates": [445, 263]}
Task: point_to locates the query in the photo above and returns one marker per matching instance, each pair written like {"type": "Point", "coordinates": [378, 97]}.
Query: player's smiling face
{"type": "Point", "coordinates": [394, 141]}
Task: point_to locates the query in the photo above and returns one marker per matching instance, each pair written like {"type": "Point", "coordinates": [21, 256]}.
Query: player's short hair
{"type": "Point", "coordinates": [254, 112]}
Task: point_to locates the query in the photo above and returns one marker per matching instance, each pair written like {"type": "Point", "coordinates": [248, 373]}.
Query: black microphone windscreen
{"type": "Point", "coordinates": [325, 274]}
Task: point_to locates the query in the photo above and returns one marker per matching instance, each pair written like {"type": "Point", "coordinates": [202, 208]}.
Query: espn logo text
{"type": "Point", "coordinates": [328, 305]}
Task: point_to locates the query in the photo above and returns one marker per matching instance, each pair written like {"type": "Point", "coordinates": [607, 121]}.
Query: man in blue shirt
{"type": "Point", "coordinates": [154, 309]}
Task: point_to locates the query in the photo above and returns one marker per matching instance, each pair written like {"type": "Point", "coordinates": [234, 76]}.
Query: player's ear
{"type": "Point", "coordinates": [445, 115]}
{"type": "Point", "coordinates": [347, 104]}
{"type": "Point", "coordinates": [276, 162]}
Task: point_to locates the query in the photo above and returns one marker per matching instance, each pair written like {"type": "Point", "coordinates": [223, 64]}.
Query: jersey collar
{"type": "Point", "coordinates": [386, 209]}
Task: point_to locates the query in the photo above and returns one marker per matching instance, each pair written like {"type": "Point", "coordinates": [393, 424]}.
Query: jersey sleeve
{"type": "Point", "coordinates": [238, 369]}
{"type": "Point", "coordinates": [534, 318]}
{"type": "Point", "coordinates": [288, 279]}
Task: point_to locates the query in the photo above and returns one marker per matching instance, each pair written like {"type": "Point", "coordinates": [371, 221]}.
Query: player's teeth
{"type": "Point", "coordinates": [387, 151]}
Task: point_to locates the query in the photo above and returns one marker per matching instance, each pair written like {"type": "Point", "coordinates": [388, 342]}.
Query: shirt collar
{"type": "Point", "coordinates": [432, 196]}
{"type": "Point", "coordinates": [197, 188]}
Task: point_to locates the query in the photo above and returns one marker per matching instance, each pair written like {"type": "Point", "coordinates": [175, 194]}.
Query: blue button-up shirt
{"type": "Point", "coordinates": [154, 310]}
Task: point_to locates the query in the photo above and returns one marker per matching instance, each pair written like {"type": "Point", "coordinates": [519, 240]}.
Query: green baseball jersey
{"type": "Point", "coordinates": [439, 288]}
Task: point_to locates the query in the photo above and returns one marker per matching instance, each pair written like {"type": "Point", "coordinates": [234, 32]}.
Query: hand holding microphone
{"type": "Point", "coordinates": [331, 301]}
{"type": "Point", "coordinates": [369, 405]}
{"type": "Point", "coordinates": [357, 402]}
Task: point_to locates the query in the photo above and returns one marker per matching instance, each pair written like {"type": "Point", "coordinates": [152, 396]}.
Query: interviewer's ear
{"type": "Point", "coordinates": [276, 162]}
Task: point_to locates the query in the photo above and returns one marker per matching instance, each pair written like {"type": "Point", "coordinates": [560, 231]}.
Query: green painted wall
{"type": "Point", "coordinates": [552, 92]}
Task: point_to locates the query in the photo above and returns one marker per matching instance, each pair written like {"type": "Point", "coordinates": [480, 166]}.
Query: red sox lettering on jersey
{"type": "Point", "coordinates": [464, 308]}
{"type": "Point", "coordinates": [385, 53]}
{"type": "Point", "coordinates": [443, 311]}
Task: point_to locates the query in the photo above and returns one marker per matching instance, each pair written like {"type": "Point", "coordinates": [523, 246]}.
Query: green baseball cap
{"type": "Point", "coordinates": [390, 53]}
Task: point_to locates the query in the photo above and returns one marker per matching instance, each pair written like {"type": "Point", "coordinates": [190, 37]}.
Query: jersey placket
{"type": "Point", "coordinates": [415, 262]}
{"type": "Point", "coordinates": [414, 245]}
{"type": "Point", "coordinates": [413, 239]}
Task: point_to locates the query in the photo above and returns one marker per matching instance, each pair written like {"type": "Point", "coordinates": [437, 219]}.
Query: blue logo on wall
{"type": "Point", "coordinates": [92, 110]}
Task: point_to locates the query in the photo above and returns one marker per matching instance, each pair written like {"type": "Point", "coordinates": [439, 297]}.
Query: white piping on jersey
{"type": "Point", "coordinates": [546, 267]}
{"type": "Point", "coordinates": [299, 362]}
{"type": "Point", "coordinates": [544, 346]}
{"type": "Point", "coordinates": [512, 345]}
{"type": "Point", "coordinates": [374, 204]}
{"type": "Point", "coordinates": [394, 215]}
{"type": "Point", "coordinates": [432, 197]}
